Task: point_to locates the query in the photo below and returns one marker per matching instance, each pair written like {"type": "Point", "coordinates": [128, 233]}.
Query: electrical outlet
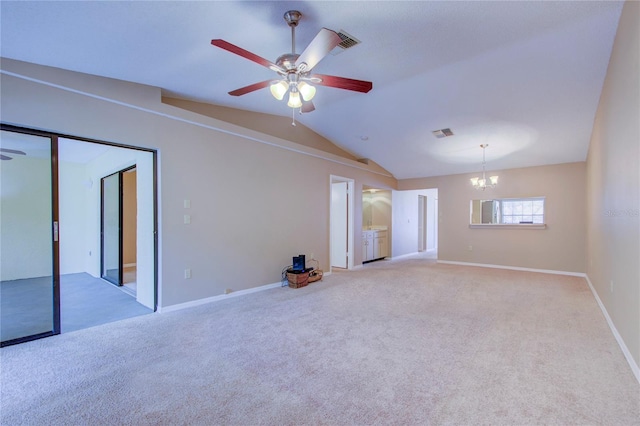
{"type": "Point", "coordinates": [611, 286]}
{"type": "Point", "coordinates": [187, 274]}
{"type": "Point", "coordinates": [187, 219]}
{"type": "Point", "coordinates": [187, 204]}
{"type": "Point", "coordinates": [470, 248]}
{"type": "Point", "coordinates": [312, 256]}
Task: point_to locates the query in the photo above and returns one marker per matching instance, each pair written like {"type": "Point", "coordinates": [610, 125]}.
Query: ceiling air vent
{"type": "Point", "coordinates": [348, 41]}
{"type": "Point", "coordinates": [442, 133]}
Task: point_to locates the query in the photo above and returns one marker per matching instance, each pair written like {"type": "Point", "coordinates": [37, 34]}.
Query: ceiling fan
{"type": "Point", "coordinates": [10, 151]}
{"type": "Point", "coordinates": [294, 70]}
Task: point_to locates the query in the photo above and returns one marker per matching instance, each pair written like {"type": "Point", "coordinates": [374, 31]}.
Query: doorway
{"type": "Point", "coordinates": [422, 223]}
{"type": "Point", "coordinates": [341, 222]}
{"type": "Point", "coordinates": [118, 227]}
{"type": "Point", "coordinates": [55, 250]}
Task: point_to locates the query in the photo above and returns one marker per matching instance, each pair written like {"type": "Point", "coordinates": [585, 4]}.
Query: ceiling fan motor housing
{"type": "Point", "coordinates": [287, 61]}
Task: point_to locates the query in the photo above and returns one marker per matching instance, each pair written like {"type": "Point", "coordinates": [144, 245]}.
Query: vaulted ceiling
{"type": "Point", "coordinates": [523, 77]}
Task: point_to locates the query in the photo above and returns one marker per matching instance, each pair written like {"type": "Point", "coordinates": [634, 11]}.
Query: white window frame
{"type": "Point", "coordinates": [523, 218]}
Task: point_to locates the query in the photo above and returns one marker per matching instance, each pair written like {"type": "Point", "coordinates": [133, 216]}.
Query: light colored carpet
{"type": "Point", "coordinates": [398, 342]}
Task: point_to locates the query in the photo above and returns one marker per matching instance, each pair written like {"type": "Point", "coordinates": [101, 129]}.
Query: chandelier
{"type": "Point", "coordinates": [482, 183]}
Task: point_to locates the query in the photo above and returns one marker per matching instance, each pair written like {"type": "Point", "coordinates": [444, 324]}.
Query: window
{"type": "Point", "coordinates": [508, 211]}
{"type": "Point", "coordinates": [524, 210]}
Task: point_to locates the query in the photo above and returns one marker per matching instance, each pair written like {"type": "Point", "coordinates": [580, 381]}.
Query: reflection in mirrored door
{"type": "Point", "coordinates": [29, 290]}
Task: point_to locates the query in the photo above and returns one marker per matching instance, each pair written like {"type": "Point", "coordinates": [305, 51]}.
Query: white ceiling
{"type": "Point", "coordinates": [524, 77]}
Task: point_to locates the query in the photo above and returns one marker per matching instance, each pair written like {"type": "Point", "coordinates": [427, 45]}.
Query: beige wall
{"type": "Point", "coordinates": [273, 125]}
{"type": "Point", "coordinates": [613, 184]}
{"type": "Point", "coordinates": [129, 217]}
{"type": "Point", "coordinates": [256, 200]}
{"type": "Point", "coordinates": [559, 247]}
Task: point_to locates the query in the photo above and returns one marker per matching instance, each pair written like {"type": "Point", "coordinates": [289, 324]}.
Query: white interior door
{"type": "Point", "coordinates": [339, 224]}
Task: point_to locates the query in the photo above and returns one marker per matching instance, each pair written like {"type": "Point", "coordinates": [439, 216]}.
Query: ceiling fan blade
{"type": "Point", "coordinates": [251, 88]}
{"type": "Point", "coordinates": [4, 157]}
{"type": "Point", "coordinates": [320, 46]}
{"type": "Point", "coordinates": [245, 54]}
{"type": "Point", "coordinates": [342, 83]}
{"type": "Point", "coordinates": [13, 151]}
{"type": "Point", "coordinates": [307, 106]}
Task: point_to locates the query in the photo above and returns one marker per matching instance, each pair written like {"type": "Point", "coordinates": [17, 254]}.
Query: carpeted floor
{"type": "Point", "coordinates": [397, 342]}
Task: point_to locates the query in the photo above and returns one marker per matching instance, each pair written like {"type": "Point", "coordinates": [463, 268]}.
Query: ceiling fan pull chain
{"type": "Point", "coordinates": [293, 116]}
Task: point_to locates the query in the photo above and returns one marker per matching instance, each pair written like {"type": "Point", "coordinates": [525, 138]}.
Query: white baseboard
{"type": "Point", "coordinates": [515, 268]}
{"type": "Point", "coordinates": [206, 300]}
{"type": "Point", "coordinates": [632, 363]}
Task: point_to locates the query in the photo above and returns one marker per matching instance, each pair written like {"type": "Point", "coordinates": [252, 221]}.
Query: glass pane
{"type": "Point", "coordinates": [111, 228]}
{"type": "Point", "coordinates": [26, 260]}
{"type": "Point", "coordinates": [538, 207]}
{"type": "Point", "coordinates": [517, 208]}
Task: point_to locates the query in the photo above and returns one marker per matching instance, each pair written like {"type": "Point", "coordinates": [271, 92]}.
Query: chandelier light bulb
{"type": "Point", "coordinates": [294, 100]}
{"type": "Point", "coordinates": [306, 90]}
{"type": "Point", "coordinates": [279, 89]}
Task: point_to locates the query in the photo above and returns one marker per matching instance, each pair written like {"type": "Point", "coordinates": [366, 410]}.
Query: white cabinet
{"type": "Point", "coordinates": [380, 246]}
{"type": "Point", "coordinates": [374, 245]}
{"type": "Point", "coordinates": [367, 246]}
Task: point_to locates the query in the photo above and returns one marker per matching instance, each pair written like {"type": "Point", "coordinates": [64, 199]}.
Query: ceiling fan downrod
{"type": "Point", "coordinates": [292, 18]}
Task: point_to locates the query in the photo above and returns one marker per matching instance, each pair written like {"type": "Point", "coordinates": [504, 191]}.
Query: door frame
{"type": "Point", "coordinates": [350, 214]}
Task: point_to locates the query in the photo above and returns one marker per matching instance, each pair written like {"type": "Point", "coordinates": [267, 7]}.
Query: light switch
{"type": "Point", "coordinates": [187, 204]}
{"type": "Point", "coordinates": [187, 218]}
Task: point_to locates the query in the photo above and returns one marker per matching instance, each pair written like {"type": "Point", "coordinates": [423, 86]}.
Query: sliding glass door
{"type": "Point", "coordinates": [29, 275]}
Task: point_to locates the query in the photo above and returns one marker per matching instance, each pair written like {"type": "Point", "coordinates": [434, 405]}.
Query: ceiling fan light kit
{"type": "Point", "coordinates": [482, 183]}
{"type": "Point", "coordinates": [279, 89]}
{"type": "Point", "coordinates": [295, 69]}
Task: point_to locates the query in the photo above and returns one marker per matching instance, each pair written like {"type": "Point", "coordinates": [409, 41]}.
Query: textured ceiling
{"type": "Point", "coordinates": [524, 77]}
